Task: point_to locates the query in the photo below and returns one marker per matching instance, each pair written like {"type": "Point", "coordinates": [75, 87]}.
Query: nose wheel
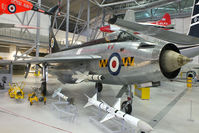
{"type": "Point", "coordinates": [126, 107]}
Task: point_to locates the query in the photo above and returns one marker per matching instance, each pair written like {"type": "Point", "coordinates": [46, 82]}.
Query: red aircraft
{"type": "Point", "coordinates": [164, 23]}
{"type": "Point", "coordinates": [17, 6]}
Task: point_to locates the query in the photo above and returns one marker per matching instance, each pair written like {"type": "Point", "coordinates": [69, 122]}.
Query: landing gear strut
{"type": "Point", "coordinates": [126, 105]}
{"type": "Point", "coordinates": [43, 84]}
{"type": "Point", "coordinates": [99, 87]}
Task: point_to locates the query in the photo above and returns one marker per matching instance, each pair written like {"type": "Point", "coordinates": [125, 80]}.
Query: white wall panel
{"type": "Point", "coordinates": [12, 19]}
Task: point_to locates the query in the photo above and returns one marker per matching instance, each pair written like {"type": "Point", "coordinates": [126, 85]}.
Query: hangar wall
{"type": "Point", "coordinates": [8, 53]}
{"type": "Point", "coordinates": [25, 17]}
{"type": "Point", "coordinates": [182, 26]}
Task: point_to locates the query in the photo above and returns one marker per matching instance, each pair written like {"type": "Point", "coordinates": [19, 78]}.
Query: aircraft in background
{"type": "Point", "coordinates": [164, 23]}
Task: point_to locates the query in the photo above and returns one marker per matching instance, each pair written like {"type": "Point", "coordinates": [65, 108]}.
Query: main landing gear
{"type": "Point", "coordinates": [126, 105]}
{"type": "Point", "coordinates": [98, 87]}
{"type": "Point", "coordinates": [44, 83]}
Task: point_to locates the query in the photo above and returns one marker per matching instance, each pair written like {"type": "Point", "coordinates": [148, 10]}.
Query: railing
{"type": "Point", "coordinates": [12, 34]}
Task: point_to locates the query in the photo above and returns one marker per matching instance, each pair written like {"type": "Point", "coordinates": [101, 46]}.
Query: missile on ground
{"type": "Point", "coordinates": [115, 112]}
{"type": "Point", "coordinates": [58, 93]}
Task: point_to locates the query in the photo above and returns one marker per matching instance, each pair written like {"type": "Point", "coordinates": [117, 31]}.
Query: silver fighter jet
{"type": "Point", "coordinates": [120, 58]}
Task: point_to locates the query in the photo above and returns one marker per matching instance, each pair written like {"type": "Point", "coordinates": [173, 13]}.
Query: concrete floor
{"type": "Point", "coordinates": [17, 117]}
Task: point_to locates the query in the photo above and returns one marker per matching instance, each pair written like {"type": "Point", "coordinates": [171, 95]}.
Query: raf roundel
{"type": "Point", "coordinates": [12, 8]}
{"type": "Point", "coordinates": [114, 64]}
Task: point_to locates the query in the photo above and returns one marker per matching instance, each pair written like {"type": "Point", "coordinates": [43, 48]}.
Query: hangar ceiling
{"type": "Point", "coordinates": [176, 7]}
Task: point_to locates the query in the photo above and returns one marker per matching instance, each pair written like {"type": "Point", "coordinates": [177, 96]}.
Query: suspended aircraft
{"type": "Point", "coordinates": [18, 6]}
{"type": "Point", "coordinates": [164, 23]}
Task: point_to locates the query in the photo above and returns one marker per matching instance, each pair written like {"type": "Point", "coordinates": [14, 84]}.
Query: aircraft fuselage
{"type": "Point", "coordinates": [122, 62]}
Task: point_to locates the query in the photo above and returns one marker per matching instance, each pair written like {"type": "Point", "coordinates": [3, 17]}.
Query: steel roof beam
{"type": "Point", "coordinates": [111, 4]}
{"type": "Point", "coordinates": [150, 5]}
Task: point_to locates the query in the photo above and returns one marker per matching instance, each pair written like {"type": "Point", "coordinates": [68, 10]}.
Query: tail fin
{"type": "Point", "coordinates": [194, 27]}
{"type": "Point", "coordinates": [165, 21]}
{"type": "Point", "coordinates": [130, 16]}
{"type": "Point", "coordinates": [110, 116]}
{"type": "Point", "coordinates": [117, 104]}
{"type": "Point", "coordinates": [53, 45]}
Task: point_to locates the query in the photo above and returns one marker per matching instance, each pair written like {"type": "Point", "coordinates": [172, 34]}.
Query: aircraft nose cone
{"type": "Point", "coordinates": [172, 60]}
{"type": "Point", "coordinates": [182, 60]}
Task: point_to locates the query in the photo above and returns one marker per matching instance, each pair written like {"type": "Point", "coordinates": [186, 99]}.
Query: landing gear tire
{"type": "Point", "coordinates": [156, 84]}
{"type": "Point", "coordinates": [41, 99]}
{"type": "Point", "coordinates": [99, 87]}
{"type": "Point", "coordinates": [127, 107]}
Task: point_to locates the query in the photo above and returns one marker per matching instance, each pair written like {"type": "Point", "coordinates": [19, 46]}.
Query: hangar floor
{"type": "Point", "coordinates": [168, 110]}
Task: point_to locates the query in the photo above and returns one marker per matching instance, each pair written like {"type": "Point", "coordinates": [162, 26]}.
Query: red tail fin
{"type": "Point", "coordinates": [165, 21]}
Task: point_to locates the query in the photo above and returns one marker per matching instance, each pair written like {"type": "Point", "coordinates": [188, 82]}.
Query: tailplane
{"type": "Point", "coordinates": [194, 27]}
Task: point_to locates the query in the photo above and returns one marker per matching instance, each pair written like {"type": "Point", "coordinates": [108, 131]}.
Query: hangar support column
{"type": "Point", "coordinates": [88, 21]}
{"type": "Point", "coordinates": [38, 35]}
{"type": "Point", "coordinates": [67, 21]}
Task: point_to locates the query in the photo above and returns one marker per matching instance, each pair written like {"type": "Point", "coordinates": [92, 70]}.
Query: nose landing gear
{"type": "Point", "coordinates": [99, 87]}
{"type": "Point", "coordinates": [126, 105]}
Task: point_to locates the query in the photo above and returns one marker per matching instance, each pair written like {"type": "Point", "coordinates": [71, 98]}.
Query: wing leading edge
{"type": "Point", "coordinates": [41, 60]}
{"type": "Point", "coordinates": [169, 36]}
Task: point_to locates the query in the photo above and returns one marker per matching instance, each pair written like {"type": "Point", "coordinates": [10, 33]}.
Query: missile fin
{"type": "Point", "coordinates": [87, 96]}
{"type": "Point", "coordinates": [107, 117]}
{"type": "Point", "coordinates": [59, 89]}
{"type": "Point", "coordinates": [88, 104]}
{"type": "Point", "coordinates": [56, 91]}
{"type": "Point", "coordinates": [79, 81]}
{"type": "Point", "coordinates": [95, 97]}
{"type": "Point", "coordinates": [117, 104]}
{"type": "Point", "coordinates": [86, 73]}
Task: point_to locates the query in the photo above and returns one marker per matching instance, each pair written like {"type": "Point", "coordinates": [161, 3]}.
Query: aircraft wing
{"type": "Point", "coordinates": [4, 25]}
{"type": "Point", "coordinates": [177, 38]}
{"type": "Point", "coordinates": [41, 60]}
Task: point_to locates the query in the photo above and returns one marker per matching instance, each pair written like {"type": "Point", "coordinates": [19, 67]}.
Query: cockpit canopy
{"type": "Point", "coordinates": [120, 36]}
